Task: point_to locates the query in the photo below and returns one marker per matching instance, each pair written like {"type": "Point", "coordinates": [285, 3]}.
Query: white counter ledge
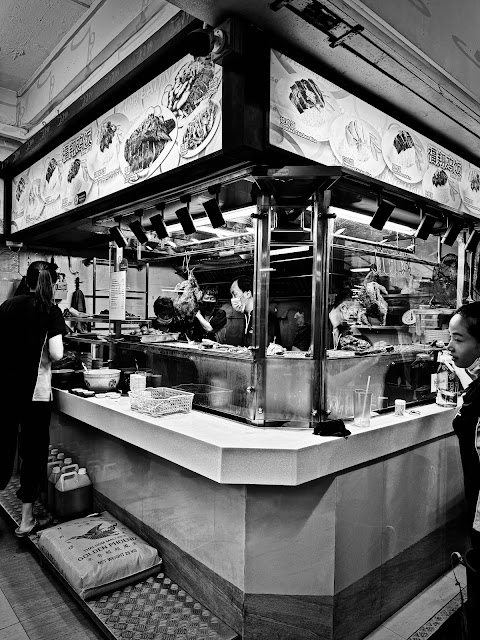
{"type": "Point", "coordinates": [230, 452]}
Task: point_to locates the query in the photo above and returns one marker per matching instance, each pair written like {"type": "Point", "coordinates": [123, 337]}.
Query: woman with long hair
{"type": "Point", "coordinates": [32, 327]}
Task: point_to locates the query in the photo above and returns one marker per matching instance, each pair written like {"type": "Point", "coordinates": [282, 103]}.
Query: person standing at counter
{"type": "Point", "coordinates": [32, 327]}
{"type": "Point", "coordinates": [464, 348]}
{"type": "Point", "coordinates": [242, 301]}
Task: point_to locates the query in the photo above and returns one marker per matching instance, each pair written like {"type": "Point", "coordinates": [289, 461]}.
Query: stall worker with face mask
{"type": "Point", "coordinates": [242, 302]}
{"type": "Point", "coordinates": [210, 319]}
{"type": "Point", "coordinates": [165, 316]}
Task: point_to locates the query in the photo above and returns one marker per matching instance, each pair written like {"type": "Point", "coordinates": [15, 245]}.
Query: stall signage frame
{"type": "Point", "coordinates": [159, 127]}
{"type": "Point", "coordinates": [314, 118]}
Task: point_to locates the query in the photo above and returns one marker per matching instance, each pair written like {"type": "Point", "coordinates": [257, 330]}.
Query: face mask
{"type": "Point", "coordinates": [238, 305]}
{"type": "Point", "coordinates": [164, 322]}
{"type": "Point", "coordinates": [208, 307]}
{"type": "Point", "coordinates": [474, 368]}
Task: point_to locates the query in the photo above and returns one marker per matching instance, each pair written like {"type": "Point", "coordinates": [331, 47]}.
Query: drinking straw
{"type": "Point", "coordinates": [365, 397]}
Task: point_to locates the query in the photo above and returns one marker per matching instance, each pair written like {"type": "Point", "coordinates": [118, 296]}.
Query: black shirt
{"type": "Point", "coordinates": [464, 425]}
{"type": "Point", "coordinates": [24, 328]}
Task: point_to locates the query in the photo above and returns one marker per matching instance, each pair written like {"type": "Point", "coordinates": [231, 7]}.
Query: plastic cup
{"type": "Point", "coordinates": [154, 380]}
{"type": "Point", "coordinates": [362, 406]}
{"type": "Point", "coordinates": [382, 402]}
{"type": "Point", "coordinates": [138, 381]}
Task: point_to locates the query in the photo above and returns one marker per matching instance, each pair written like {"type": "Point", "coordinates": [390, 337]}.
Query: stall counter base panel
{"type": "Point", "coordinates": [148, 616]}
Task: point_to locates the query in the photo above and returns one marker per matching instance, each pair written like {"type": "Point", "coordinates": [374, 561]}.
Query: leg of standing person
{"type": "Point", "coordinates": [33, 449]}
{"type": "Point", "coordinates": [9, 446]}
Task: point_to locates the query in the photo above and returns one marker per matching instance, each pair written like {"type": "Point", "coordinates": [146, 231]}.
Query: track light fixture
{"type": "Point", "coordinates": [425, 227]}
{"type": "Point", "coordinates": [473, 240]}
{"type": "Point", "coordinates": [212, 208]}
{"type": "Point", "coordinates": [118, 237]}
{"type": "Point", "coordinates": [158, 225]}
{"type": "Point", "coordinates": [450, 235]}
{"type": "Point", "coordinates": [137, 229]}
{"type": "Point", "coordinates": [185, 220]}
{"type": "Point", "coordinates": [382, 214]}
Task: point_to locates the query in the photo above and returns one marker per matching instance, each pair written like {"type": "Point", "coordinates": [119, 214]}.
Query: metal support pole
{"type": "Point", "coordinates": [261, 284]}
{"type": "Point", "coordinates": [322, 239]}
{"type": "Point", "coordinates": [146, 290]}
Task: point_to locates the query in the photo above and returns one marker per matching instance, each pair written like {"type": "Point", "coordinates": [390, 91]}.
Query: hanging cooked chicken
{"type": "Point", "coordinates": [189, 296]}
{"type": "Point", "coordinates": [370, 296]}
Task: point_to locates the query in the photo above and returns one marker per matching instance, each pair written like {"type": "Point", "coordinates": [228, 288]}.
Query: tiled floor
{"type": "Point", "coordinates": [420, 618]}
{"type": "Point", "coordinates": [33, 605]}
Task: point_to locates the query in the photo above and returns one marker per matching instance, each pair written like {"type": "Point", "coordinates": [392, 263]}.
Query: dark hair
{"type": "Point", "coordinates": [41, 276]}
{"type": "Point", "coordinates": [210, 291]}
{"type": "Point", "coordinates": [163, 306]}
{"type": "Point", "coordinates": [245, 283]}
{"type": "Point", "coordinates": [470, 313]}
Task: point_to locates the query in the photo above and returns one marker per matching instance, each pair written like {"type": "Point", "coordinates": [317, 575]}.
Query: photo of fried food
{"type": "Point", "coordinates": [147, 141]}
{"type": "Point", "coordinates": [405, 148]}
{"type": "Point", "coordinates": [194, 82]}
{"type": "Point", "coordinates": [20, 189]}
{"type": "Point", "coordinates": [309, 101]}
{"type": "Point", "coordinates": [106, 134]}
{"type": "Point", "coordinates": [74, 169]}
{"type": "Point", "coordinates": [52, 165]}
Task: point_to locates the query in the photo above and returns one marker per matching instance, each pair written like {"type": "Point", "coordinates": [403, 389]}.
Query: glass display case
{"type": "Point", "coordinates": [317, 302]}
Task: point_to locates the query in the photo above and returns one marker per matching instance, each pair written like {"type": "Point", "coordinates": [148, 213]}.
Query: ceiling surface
{"type": "Point", "coordinates": [29, 31]}
{"type": "Point", "coordinates": [369, 63]}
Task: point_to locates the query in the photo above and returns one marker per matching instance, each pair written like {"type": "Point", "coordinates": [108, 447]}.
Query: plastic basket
{"type": "Point", "coordinates": [159, 401]}
{"type": "Point", "coordinates": [208, 395]}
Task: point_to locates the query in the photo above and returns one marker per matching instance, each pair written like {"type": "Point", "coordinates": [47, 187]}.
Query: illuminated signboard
{"type": "Point", "coordinates": [171, 121]}
{"type": "Point", "coordinates": [318, 120]}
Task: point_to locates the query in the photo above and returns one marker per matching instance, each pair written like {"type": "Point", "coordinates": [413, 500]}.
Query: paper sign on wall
{"type": "Point", "coordinates": [118, 293]}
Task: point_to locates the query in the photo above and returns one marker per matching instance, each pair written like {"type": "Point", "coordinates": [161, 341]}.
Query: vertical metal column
{"type": "Point", "coordinates": [94, 287]}
{"type": "Point", "coordinates": [261, 285]}
{"type": "Point", "coordinates": [146, 290]}
{"type": "Point", "coordinates": [322, 226]}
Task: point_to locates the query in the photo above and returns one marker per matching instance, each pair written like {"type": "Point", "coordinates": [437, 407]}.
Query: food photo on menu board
{"type": "Point", "coordinates": [172, 120]}
{"type": "Point", "coordinates": [314, 118]}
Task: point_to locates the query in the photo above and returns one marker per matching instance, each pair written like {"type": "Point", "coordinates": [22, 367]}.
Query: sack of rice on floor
{"type": "Point", "coordinates": [98, 554]}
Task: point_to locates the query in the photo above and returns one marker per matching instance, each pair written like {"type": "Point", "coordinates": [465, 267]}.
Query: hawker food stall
{"type": "Point", "coordinates": [334, 243]}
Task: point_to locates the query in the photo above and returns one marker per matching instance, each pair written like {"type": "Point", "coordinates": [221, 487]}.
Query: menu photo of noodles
{"type": "Point", "coordinates": [147, 143]}
{"type": "Point", "coordinates": [103, 159]}
{"type": "Point", "coordinates": [199, 128]}
{"type": "Point", "coordinates": [357, 144]}
{"type": "Point", "coordinates": [35, 206]}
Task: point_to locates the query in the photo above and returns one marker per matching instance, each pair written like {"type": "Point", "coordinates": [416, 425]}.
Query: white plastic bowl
{"type": "Point", "coordinates": [102, 380]}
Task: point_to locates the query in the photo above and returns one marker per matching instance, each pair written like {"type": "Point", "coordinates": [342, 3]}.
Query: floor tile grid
{"type": "Point", "coordinates": [435, 622]}
{"type": "Point", "coordinates": [155, 609]}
